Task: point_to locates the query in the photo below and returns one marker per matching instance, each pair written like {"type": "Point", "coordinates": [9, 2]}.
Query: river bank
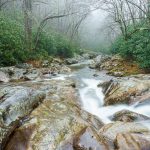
{"type": "Point", "coordinates": [73, 107]}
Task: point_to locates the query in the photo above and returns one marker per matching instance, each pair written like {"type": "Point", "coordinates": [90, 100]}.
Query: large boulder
{"type": "Point", "coordinates": [133, 141]}
{"type": "Point", "coordinates": [111, 130]}
{"type": "Point", "coordinates": [89, 140]}
{"type": "Point", "coordinates": [127, 89]}
{"type": "Point", "coordinates": [16, 103]}
{"type": "Point", "coordinates": [129, 116]}
{"type": "Point", "coordinates": [59, 123]}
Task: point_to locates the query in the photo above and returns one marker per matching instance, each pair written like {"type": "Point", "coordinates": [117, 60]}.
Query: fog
{"type": "Point", "coordinates": [84, 21]}
{"type": "Point", "coordinates": [92, 30]}
{"type": "Point", "coordinates": [91, 34]}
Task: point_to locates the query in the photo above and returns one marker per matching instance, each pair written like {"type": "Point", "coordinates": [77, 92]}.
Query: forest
{"type": "Point", "coordinates": [36, 29]}
{"type": "Point", "coordinates": [74, 74]}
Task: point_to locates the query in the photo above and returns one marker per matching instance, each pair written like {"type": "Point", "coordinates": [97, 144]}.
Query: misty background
{"type": "Point", "coordinates": [87, 25]}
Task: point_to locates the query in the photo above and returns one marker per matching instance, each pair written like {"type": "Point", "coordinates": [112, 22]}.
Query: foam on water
{"type": "Point", "coordinates": [59, 77]}
{"type": "Point", "coordinates": [93, 99]}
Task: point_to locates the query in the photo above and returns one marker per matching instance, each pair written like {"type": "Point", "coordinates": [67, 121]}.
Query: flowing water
{"type": "Point", "coordinates": [92, 97]}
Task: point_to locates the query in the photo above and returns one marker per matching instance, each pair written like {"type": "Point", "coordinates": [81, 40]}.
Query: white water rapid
{"type": "Point", "coordinates": [92, 97]}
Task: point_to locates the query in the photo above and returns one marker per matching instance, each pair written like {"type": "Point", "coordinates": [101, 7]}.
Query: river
{"type": "Point", "coordinates": [92, 97]}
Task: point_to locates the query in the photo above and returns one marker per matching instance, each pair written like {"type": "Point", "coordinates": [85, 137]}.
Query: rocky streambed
{"type": "Point", "coordinates": [73, 107]}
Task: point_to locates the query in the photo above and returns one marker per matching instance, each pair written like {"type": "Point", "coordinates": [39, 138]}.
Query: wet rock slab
{"type": "Point", "coordinates": [15, 104]}
{"type": "Point", "coordinates": [58, 123]}
{"type": "Point", "coordinates": [127, 136]}
{"type": "Point", "coordinates": [133, 141]}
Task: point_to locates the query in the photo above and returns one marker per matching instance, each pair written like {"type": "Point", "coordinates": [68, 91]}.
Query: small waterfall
{"type": "Point", "coordinates": [93, 99]}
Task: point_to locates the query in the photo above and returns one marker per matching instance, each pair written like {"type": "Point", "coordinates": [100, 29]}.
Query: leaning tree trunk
{"type": "Point", "coordinates": [28, 23]}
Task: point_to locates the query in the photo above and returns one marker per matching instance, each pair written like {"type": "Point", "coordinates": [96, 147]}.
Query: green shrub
{"type": "Point", "coordinates": [13, 49]}
{"type": "Point", "coordinates": [11, 42]}
{"type": "Point", "coordinates": [56, 45]}
{"type": "Point", "coordinates": [137, 47]}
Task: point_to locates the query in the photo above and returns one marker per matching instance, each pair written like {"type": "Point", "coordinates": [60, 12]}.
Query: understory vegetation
{"type": "Point", "coordinates": [132, 40]}
{"type": "Point", "coordinates": [13, 48]}
{"type": "Point", "coordinates": [134, 48]}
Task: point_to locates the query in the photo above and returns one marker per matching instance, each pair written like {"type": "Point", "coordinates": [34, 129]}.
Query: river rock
{"type": "Point", "coordinates": [105, 85]}
{"type": "Point", "coordinates": [129, 116]}
{"type": "Point", "coordinates": [98, 61]}
{"type": "Point", "coordinates": [89, 55]}
{"type": "Point", "coordinates": [45, 63]}
{"type": "Point", "coordinates": [71, 61]}
{"type": "Point", "coordinates": [16, 103]}
{"type": "Point", "coordinates": [89, 140]}
{"type": "Point", "coordinates": [20, 74]}
{"type": "Point", "coordinates": [111, 130]}
{"type": "Point", "coordinates": [32, 74]}
{"type": "Point", "coordinates": [4, 77]}
{"type": "Point", "coordinates": [117, 66]}
{"type": "Point", "coordinates": [58, 123]}
{"type": "Point", "coordinates": [14, 74]}
{"type": "Point", "coordinates": [24, 66]}
{"type": "Point", "coordinates": [116, 73]}
{"type": "Point", "coordinates": [76, 59]}
{"type": "Point", "coordinates": [133, 141]}
{"type": "Point", "coordinates": [125, 90]}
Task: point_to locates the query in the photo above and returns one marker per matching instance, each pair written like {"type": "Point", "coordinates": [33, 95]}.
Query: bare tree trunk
{"type": "Point", "coordinates": [28, 23]}
{"type": "Point", "coordinates": [148, 8]}
{"type": "Point", "coordinates": [131, 13]}
{"type": "Point", "coordinates": [0, 5]}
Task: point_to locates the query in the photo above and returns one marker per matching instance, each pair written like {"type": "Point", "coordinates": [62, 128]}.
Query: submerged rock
{"type": "Point", "coordinates": [15, 104]}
